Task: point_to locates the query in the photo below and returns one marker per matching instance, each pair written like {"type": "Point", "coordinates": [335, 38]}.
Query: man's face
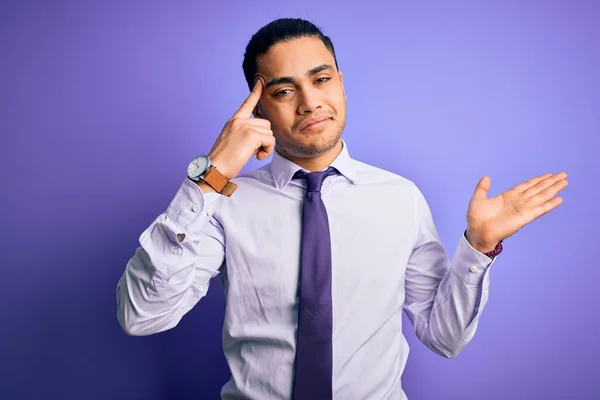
{"type": "Point", "coordinates": [303, 97]}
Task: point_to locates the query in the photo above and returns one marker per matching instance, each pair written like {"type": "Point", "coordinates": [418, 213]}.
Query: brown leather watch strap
{"type": "Point", "coordinates": [217, 181]}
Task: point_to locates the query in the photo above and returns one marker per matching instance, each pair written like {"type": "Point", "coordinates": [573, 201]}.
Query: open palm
{"type": "Point", "coordinates": [491, 220]}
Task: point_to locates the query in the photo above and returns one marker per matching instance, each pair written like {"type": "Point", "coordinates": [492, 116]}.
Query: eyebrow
{"type": "Point", "coordinates": [289, 79]}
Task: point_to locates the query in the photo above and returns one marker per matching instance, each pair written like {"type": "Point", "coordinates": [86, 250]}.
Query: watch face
{"type": "Point", "coordinates": [198, 167]}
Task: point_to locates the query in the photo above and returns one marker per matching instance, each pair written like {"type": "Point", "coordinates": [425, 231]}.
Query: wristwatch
{"type": "Point", "coordinates": [201, 169]}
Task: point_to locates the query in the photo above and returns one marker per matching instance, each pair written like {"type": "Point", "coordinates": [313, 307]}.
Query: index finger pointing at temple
{"type": "Point", "coordinates": [245, 111]}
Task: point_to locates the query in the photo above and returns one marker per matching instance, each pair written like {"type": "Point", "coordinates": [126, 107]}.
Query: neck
{"type": "Point", "coordinates": [317, 163]}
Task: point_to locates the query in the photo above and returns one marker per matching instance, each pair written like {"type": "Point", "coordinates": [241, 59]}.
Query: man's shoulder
{"type": "Point", "coordinates": [371, 174]}
{"type": "Point", "coordinates": [262, 174]}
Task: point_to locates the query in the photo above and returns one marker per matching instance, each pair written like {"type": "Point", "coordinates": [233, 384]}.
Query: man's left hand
{"type": "Point", "coordinates": [491, 220]}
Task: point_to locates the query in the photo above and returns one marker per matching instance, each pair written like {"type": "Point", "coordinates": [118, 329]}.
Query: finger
{"type": "Point", "coordinates": [251, 101]}
{"type": "Point", "coordinates": [261, 139]}
{"type": "Point", "coordinates": [262, 130]}
{"type": "Point", "coordinates": [260, 122]}
{"type": "Point", "coordinates": [266, 149]}
{"type": "Point", "coordinates": [548, 206]}
{"type": "Point", "coordinates": [527, 184]}
{"type": "Point", "coordinates": [261, 155]}
{"type": "Point", "coordinates": [483, 187]}
{"type": "Point", "coordinates": [548, 193]}
{"type": "Point", "coordinates": [543, 184]}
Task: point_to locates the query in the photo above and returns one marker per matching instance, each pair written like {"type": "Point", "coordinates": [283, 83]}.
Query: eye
{"type": "Point", "coordinates": [322, 80]}
{"type": "Point", "coordinates": [282, 93]}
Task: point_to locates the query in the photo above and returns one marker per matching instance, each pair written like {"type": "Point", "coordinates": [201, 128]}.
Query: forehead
{"type": "Point", "coordinates": [294, 58]}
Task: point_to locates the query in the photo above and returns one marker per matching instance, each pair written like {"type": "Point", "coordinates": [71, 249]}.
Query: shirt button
{"type": "Point", "coordinates": [195, 207]}
{"type": "Point", "coordinates": [474, 269]}
{"type": "Point", "coordinates": [209, 213]}
{"type": "Point", "coordinates": [175, 250]}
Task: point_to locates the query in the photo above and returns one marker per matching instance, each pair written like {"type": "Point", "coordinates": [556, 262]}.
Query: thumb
{"type": "Point", "coordinates": [483, 186]}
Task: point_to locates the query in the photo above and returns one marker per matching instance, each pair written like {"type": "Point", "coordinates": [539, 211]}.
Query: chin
{"type": "Point", "coordinates": [312, 146]}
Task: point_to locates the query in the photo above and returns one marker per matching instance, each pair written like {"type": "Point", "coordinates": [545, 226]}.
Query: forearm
{"type": "Point", "coordinates": [168, 274]}
{"type": "Point", "coordinates": [147, 300]}
{"type": "Point", "coordinates": [448, 323]}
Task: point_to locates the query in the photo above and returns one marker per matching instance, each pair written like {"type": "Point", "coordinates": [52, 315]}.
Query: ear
{"type": "Point", "coordinates": [257, 112]}
{"type": "Point", "coordinates": [343, 88]}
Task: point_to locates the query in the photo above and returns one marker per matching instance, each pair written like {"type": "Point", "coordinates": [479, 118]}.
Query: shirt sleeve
{"type": "Point", "coordinates": [444, 300]}
{"type": "Point", "coordinates": [166, 277]}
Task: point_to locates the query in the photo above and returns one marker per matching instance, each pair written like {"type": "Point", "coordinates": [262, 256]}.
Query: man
{"type": "Point", "coordinates": [318, 253]}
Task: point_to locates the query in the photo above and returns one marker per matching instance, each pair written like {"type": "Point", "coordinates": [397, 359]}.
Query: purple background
{"type": "Point", "coordinates": [103, 105]}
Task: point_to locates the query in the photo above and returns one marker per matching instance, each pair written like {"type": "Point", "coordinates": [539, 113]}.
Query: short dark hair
{"type": "Point", "coordinates": [277, 31]}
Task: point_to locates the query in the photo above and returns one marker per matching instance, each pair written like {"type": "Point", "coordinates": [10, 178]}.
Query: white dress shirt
{"type": "Point", "coordinates": [386, 258]}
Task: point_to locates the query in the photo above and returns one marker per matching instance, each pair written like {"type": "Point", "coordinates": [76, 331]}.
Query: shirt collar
{"type": "Point", "coordinates": [283, 169]}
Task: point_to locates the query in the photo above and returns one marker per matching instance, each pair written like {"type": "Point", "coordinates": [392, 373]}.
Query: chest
{"type": "Point", "coordinates": [371, 240]}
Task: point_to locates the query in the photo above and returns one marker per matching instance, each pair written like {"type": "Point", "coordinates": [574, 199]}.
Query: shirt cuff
{"type": "Point", "coordinates": [469, 264]}
{"type": "Point", "coordinates": [191, 207]}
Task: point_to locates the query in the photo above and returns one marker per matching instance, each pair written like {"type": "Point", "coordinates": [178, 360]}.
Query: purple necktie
{"type": "Point", "coordinates": [313, 365]}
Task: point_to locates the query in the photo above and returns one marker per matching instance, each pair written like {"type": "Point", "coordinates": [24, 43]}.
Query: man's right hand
{"type": "Point", "coordinates": [242, 137]}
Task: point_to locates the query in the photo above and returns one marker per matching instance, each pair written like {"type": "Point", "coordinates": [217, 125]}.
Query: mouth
{"type": "Point", "coordinates": [314, 124]}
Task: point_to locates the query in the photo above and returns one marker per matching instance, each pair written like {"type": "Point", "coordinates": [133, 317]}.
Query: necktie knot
{"type": "Point", "coordinates": [314, 180]}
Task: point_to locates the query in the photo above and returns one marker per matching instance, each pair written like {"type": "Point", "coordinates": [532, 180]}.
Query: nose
{"type": "Point", "coordinates": [310, 101]}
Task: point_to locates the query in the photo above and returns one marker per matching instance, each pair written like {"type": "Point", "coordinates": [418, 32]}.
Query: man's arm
{"type": "Point", "coordinates": [444, 299]}
{"type": "Point", "coordinates": [170, 272]}
{"type": "Point", "coordinates": [184, 247]}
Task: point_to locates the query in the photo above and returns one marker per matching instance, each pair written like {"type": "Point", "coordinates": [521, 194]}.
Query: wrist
{"type": "Point", "coordinates": [478, 244]}
{"type": "Point", "coordinates": [203, 171]}
{"type": "Point", "coordinates": [221, 166]}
